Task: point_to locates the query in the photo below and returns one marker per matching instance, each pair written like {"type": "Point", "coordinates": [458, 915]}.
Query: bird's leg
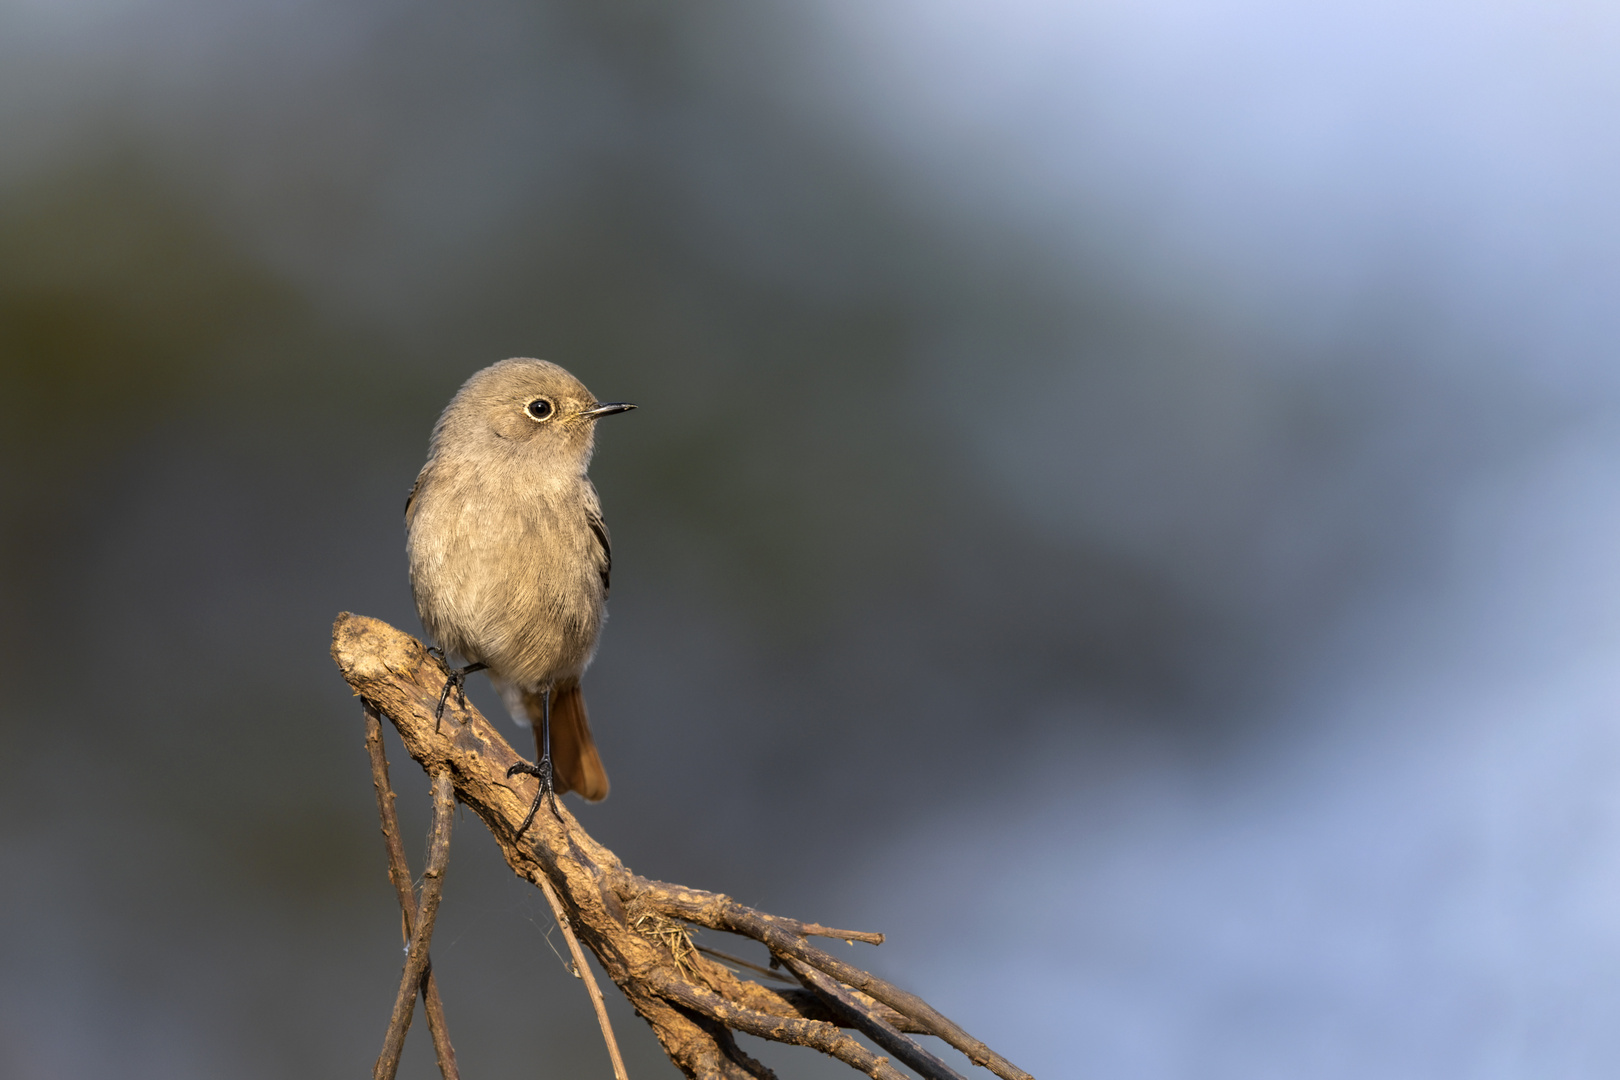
{"type": "Point", "coordinates": [457, 679]}
{"type": "Point", "coordinates": [543, 770]}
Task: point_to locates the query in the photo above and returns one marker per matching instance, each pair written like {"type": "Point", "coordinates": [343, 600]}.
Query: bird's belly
{"type": "Point", "coordinates": [509, 604]}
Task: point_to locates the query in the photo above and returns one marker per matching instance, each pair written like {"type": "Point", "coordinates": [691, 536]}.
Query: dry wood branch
{"type": "Point", "coordinates": [813, 1033]}
{"type": "Point", "coordinates": [724, 913]}
{"type": "Point", "coordinates": [692, 1003]}
{"type": "Point", "coordinates": [444, 809]}
{"type": "Point", "coordinates": [862, 1017]}
{"type": "Point", "coordinates": [813, 1004]}
{"type": "Point", "coordinates": [399, 872]}
{"type": "Point", "coordinates": [583, 970]}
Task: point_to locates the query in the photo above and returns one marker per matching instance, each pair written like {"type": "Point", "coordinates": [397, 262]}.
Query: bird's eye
{"type": "Point", "coordinates": [540, 409]}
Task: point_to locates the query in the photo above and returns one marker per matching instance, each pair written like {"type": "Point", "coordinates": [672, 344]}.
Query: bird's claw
{"type": "Point", "coordinates": [547, 792]}
{"type": "Point", "coordinates": [456, 678]}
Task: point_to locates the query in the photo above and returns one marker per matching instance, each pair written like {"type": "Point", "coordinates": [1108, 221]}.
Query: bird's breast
{"type": "Point", "coordinates": [508, 579]}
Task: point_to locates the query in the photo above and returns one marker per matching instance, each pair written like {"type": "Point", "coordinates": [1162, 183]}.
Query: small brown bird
{"type": "Point", "coordinates": [509, 556]}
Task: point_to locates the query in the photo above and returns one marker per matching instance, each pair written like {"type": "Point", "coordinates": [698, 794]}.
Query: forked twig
{"type": "Point", "coordinates": [783, 938]}
{"type": "Point", "coordinates": [399, 872]}
{"type": "Point", "coordinates": [444, 808]}
{"type": "Point", "coordinates": [814, 1033]}
{"type": "Point", "coordinates": [692, 1003]}
{"type": "Point", "coordinates": [865, 1020]}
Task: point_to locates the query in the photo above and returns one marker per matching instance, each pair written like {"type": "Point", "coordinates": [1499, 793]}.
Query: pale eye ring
{"type": "Point", "coordinates": [540, 409]}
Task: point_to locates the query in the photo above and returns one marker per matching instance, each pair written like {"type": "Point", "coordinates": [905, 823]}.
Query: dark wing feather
{"type": "Point", "coordinates": [410, 500]}
{"type": "Point", "coordinates": [605, 563]}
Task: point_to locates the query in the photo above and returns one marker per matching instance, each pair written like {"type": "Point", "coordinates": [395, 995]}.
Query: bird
{"type": "Point", "coordinates": [510, 560]}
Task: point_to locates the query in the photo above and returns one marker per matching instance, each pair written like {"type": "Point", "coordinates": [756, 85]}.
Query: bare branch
{"type": "Point", "coordinates": [723, 913]}
{"type": "Point", "coordinates": [813, 1033]}
{"type": "Point", "coordinates": [584, 971]}
{"type": "Point", "coordinates": [444, 808]}
{"type": "Point", "coordinates": [692, 1003]}
{"type": "Point", "coordinates": [399, 872]}
{"type": "Point", "coordinates": [866, 1020]}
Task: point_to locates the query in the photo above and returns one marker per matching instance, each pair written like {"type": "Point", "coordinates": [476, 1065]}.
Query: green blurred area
{"type": "Point", "coordinates": [206, 465]}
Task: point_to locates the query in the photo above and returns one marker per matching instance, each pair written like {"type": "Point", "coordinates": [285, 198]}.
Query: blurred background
{"type": "Point", "coordinates": [1126, 501]}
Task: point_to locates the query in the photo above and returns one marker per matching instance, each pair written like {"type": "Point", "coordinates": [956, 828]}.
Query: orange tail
{"type": "Point", "coordinates": [573, 751]}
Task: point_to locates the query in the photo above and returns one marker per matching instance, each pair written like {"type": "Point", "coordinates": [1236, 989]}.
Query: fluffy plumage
{"type": "Point", "coordinates": [509, 556]}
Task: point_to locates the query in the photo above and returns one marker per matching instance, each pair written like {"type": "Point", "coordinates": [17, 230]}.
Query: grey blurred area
{"type": "Point", "coordinates": [1124, 501]}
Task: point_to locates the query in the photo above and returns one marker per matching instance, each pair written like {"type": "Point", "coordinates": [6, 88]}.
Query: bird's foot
{"type": "Point", "coordinates": [457, 679]}
{"type": "Point", "coordinates": [547, 792]}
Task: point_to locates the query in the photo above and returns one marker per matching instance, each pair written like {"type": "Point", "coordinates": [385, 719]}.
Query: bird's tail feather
{"type": "Point", "coordinates": [573, 751]}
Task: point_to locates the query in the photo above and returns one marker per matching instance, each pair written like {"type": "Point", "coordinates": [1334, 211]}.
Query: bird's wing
{"type": "Point", "coordinates": [604, 560]}
{"type": "Point", "coordinates": [410, 500]}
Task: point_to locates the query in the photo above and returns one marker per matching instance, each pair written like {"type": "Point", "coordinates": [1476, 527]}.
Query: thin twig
{"type": "Point", "coordinates": [810, 929]}
{"type": "Point", "coordinates": [758, 969]}
{"type": "Point", "coordinates": [863, 1019]}
{"type": "Point", "coordinates": [584, 971]}
{"type": "Point", "coordinates": [444, 808]}
{"type": "Point", "coordinates": [399, 872]}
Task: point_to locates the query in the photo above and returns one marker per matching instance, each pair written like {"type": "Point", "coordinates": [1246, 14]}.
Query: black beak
{"type": "Point", "coordinates": [605, 408]}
